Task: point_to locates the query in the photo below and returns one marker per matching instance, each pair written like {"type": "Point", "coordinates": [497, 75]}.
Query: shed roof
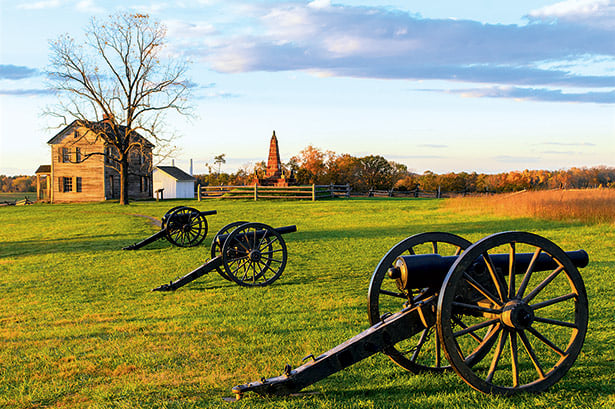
{"type": "Point", "coordinates": [175, 172]}
{"type": "Point", "coordinates": [43, 169]}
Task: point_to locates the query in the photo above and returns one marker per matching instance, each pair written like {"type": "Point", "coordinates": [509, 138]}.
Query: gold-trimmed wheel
{"type": "Point", "coordinates": [535, 304]}
{"type": "Point", "coordinates": [422, 352]}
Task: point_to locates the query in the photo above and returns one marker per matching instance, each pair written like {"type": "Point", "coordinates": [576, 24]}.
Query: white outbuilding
{"type": "Point", "coordinates": [176, 183]}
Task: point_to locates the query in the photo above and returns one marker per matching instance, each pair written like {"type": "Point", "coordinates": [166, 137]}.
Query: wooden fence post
{"type": "Point", "coordinates": [255, 192]}
{"type": "Point", "coordinates": [198, 192]}
{"type": "Point", "coordinates": [313, 192]}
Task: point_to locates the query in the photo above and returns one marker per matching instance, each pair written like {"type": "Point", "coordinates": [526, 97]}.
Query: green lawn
{"type": "Point", "coordinates": [79, 326]}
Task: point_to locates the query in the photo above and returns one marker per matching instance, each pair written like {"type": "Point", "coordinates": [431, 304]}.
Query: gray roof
{"type": "Point", "coordinates": [175, 173]}
{"type": "Point", "coordinates": [100, 125]}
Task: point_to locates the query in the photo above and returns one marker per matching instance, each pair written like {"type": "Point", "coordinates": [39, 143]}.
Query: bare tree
{"type": "Point", "coordinates": [117, 86]}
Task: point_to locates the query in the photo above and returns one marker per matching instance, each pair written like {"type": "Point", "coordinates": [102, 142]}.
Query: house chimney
{"type": "Point", "coordinates": [172, 162]}
{"type": "Point", "coordinates": [190, 167]}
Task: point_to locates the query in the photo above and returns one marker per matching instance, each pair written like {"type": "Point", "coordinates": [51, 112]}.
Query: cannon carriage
{"type": "Point", "coordinates": [508, 314]}
{"type": "Point", "coordinates": [182, 226]}
{"type": "Point", "coordinates": [249, 254]}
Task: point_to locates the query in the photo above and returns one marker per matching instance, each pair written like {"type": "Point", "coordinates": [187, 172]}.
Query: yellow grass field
{"type": "Point", "coordinates": [587, 205]}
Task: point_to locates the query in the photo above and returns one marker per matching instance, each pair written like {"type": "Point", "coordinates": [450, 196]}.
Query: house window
{"type": "Point", "coordinates": [77, 154]}
{"type": "Point", "coordinates": [65, 155]}
{"type": "Point", "coordinates": [67, 184]}
{"type": "Point", "coordinates": [78, 183]}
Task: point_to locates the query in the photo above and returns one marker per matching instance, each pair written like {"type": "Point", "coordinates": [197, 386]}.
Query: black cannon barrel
{"type": "Point", "coordinates": [259, 233]}
{"type": "Point", "coordinates": [429, 270]}
{"type": "Point", "coordinates": [208, 212]}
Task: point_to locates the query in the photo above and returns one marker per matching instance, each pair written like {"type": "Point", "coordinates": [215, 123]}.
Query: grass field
{"type": "Point", "coordinates": [79, 326]}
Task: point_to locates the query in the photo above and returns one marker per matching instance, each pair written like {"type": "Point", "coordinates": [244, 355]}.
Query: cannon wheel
{"type": "Point", "coordinates": [165, 218]}
{"type": "Point", "coordinates": [216, 249]}
{"type": "Point", "coordinates": [253, 261]}
{"type": "Point", "coordinates": [186, 227]}
{"type": "Point", "coordinates": [421, 353]}
{"type": "Point", "coordinates": [539, 317]}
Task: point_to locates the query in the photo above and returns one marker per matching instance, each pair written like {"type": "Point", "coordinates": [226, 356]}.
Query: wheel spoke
{"type": "Point", "coordinates": [556, 322]}
{"type": "Point", "coordinates": [392, 294]}
{"type": "Point", "coordinates": [434, 247]}
{"type": "Point", "coordinates": [531, 354]}
{"type": "Point", "coordinates": [543, 284]}
{"type": "Point", "coordinates": [268, 243]}
{"type": "Point", "coordinates": [438, 357]}
{"type": "Point", "coordinates": [546, 341]}
{"type": "Point", "coordinates": [514, 358]}
{"type": "Point", "coordinates": [552, 301]}
{"type": "Point", "coordinates": [481, 289]}
{"type": "Point", "coordinates": [528, 273]}
{"type": "Point", "coordinates": [497, 354]}
{"type": "Point", "coordinates": [475, 327]}
{"type": "Point", "coordinates": [418, 347]}
{"type": "Point", "coordinates": [458, 251]}
{"type": "Point", "coordinates": [458, 321]}
{"type": "Point", "coordinates": [476, 308]}
{"type": "Point", "coordinates": [499, 286]}
{"type": "Point", "coordinates": [511, 270]}
{"type": "Point", "coordinates": [240, 265]}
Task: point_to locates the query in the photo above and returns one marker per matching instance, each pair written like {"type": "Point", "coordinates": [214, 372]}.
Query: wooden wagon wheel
{"type": "Point", "coordinates": [254, 254]}
{"type": "Point", "coordinates": [422, 352]}
{"type": "Point", "coordinates": [165, 218]}
{"type": "Point", "coordinates": [216, 248]}
{"type": "Point", "coordinates": [186, 227]}
{"type": "Point", "coordinates": [540, 317]}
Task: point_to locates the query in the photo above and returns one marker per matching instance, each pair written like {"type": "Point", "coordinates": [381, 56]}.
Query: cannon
{"type": "Point", "coordinates": [249, 254]}
{"type": "Point", "coordinates": [508, 314]}
{"type": "Point", "coordinates": [182, 226]}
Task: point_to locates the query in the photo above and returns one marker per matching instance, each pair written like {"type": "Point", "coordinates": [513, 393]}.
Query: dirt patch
{"type": "Point", "coordinates": [153, 220]}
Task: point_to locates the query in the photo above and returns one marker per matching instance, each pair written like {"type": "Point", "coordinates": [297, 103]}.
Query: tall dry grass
{"type": "Point", "coordinates": [587, 205]}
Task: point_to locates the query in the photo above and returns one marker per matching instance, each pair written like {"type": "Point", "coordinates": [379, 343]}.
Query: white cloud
{"type": "Point", "coordinates": [40, 5]}
{"type": "Point", "coordinates": [590, 12]}
{"type": "Point", "coordinates": [88, 6]}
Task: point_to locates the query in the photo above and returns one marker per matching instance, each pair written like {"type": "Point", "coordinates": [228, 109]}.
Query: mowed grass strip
{"type": "Point", "coordinates": [79, 326]}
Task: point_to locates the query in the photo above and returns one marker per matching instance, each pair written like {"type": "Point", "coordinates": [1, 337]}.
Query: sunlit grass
{"type": "Point", "coordinates": [586, 206]}
{"type": "Point", "coordinates": [79, 326]}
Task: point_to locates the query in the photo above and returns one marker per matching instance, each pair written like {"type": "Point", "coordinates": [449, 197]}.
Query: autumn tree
{"type": "Point", "coordinates": [118, 86]}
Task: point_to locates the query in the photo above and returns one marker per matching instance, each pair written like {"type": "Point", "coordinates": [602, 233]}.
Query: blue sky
{"type": "Point", "coordinates": [477, 85]}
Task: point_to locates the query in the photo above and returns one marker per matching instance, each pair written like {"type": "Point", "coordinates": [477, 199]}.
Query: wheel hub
{"type": "Point", "coordinates": [517, 315]}
{"type": "Point", "coordinates": [255, 256]}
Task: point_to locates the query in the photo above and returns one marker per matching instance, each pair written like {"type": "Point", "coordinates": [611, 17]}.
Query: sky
{"type": "Point", "coordinates": [445, 86]}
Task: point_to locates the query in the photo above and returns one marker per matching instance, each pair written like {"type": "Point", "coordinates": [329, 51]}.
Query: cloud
{"type": "Point", "coordinates": [382, 42]}
{"type": "Point", "coordinates": [568, 143]}
{"type": "Point", "coordinates": [17, 72]}
{"type": "Point", "coordinates": [26, 92]}
{"type": "Point", "coordinates": [537, 94]}
{"type": "Point", "coordinates": [431, 145]}
{"type": "Point", "coordinates": [88, 6]}
{"type": "Point", "coordinates": [516, 159]}
{"type": "Point", "coordinates": [590, 12]}
{"type": "Point", "coordinates": [40, 5]}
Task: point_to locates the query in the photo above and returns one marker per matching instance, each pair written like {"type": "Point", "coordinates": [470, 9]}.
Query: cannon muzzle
{"type": "Point", "coordinates": [429, 270]}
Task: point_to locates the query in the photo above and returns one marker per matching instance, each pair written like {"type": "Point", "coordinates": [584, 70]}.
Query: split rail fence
{"type": "Point", "coordinates": [308, 192]}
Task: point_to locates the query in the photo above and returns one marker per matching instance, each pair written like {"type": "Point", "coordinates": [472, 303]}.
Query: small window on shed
{"type": "Point", "coordinates": [65, 155]}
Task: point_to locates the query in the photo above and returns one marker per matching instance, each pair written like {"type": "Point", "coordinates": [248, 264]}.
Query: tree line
{"type": "Point", "coordinates": [315, 166]}
{"type": "Point", "coordinates": [17, 183]}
